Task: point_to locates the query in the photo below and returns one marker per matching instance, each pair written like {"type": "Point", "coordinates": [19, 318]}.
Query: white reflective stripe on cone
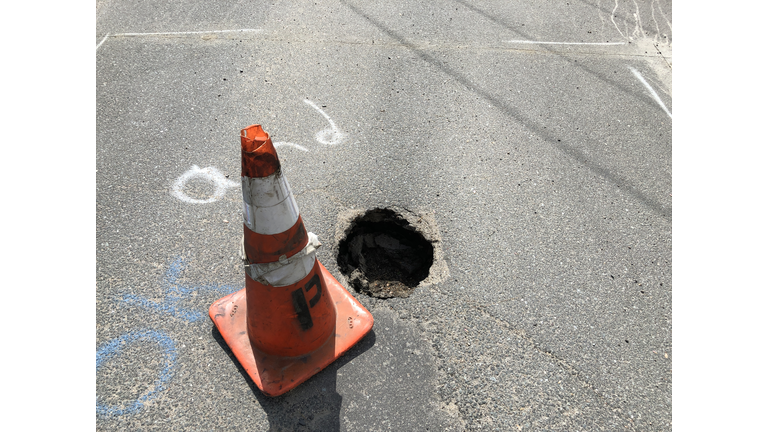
{"type": "Point", "coordinates": [291, 273]}
{"type": "Point", "coordinates": [271, 220]}
{"type": "Point", "coordinates": [265, 191]}
{"type": "Point", "coordinates": [268, 204]}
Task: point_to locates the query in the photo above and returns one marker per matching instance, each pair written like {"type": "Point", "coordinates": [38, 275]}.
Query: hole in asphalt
{"type": "Point", "coordinates": [383, 255]}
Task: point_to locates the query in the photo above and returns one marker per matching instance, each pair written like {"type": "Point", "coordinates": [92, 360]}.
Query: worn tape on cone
{"type": "Point", "coordinates": [285, 271]}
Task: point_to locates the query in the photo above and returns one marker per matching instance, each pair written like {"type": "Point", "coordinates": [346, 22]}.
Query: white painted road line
{"type": "Point", "coordinates": [102, 41]}
{"type": "Point", "coordinates": [178, 33]}
{"type": "Point", "coordinates": [190, 32]}
{"type": "Point", "coordinates": [650, 89]}
{"type": "Point", "coordinates": [563, 43]}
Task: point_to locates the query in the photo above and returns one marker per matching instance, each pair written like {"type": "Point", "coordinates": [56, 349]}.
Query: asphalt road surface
{"type": "Point", "coordinates": [534, 137]}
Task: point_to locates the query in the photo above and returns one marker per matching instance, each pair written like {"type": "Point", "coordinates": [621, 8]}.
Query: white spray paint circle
{"type": "Point", "coordinates": [209, 173]}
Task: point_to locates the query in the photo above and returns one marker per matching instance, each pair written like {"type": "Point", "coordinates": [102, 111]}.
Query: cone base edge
{"type": "Point", "coordinates": [275, 375]}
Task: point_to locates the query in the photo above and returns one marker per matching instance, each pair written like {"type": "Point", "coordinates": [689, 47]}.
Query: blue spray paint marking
{"type": "Point", "coordinates": [175, 292]}
{"type": "Point", "coordinates": [115, 346]}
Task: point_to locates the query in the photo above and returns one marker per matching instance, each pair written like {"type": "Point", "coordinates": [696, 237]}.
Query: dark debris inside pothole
{"type": "Point", "coordinates": [383, 255]}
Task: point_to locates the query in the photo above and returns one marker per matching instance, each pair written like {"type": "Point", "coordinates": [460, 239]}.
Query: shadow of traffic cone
{"type": "Point", "coordinates": [293, 318]}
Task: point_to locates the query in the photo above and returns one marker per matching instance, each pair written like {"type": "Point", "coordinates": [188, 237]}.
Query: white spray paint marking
{"type": "Point", "coordinates": [288, 144]}
{"type": "Point", "coordinates": [102, 41]}
{"type": "Point", "coordinates": [602, 20]}
{"type": "Point", "coordinates": [627, 14]}
{"type": "Point", "coordinates": [650, 89]}
{"type": "Point", "coordinates": [663, 15]}
{"type": "Point", "coordinates": [190, 32]}
{"type": "Point", "coordinates": [330, 136]}
{"type": "Point", "coordinates": [563, 43]}
{"type": "Point", "coordinates": [211, 174]}
{"type": "Point", "coordinates": [613, 13]}
{"type": "Point", "coordinates": [638, 31]}
{"type": "Point", "coordinates": [653, 18]}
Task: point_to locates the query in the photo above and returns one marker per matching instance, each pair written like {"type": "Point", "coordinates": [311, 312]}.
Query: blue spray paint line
{"type": "Point", "coordinates": [114, 347]}
{"type": "Point", "coordinates": [175, 293]}
{"type": "Point", "coordinates": [168, 306]}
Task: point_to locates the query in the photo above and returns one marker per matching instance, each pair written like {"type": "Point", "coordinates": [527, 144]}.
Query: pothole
{"type": "Point", "coordinates": [385, 254]}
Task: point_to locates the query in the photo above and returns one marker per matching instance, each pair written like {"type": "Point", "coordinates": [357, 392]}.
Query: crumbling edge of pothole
{"type": "Point", "coordinates": [423, 222]}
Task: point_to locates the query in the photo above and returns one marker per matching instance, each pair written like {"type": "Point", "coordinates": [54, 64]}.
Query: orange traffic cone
{"type": "Point", "coordinates": [293, 318]}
